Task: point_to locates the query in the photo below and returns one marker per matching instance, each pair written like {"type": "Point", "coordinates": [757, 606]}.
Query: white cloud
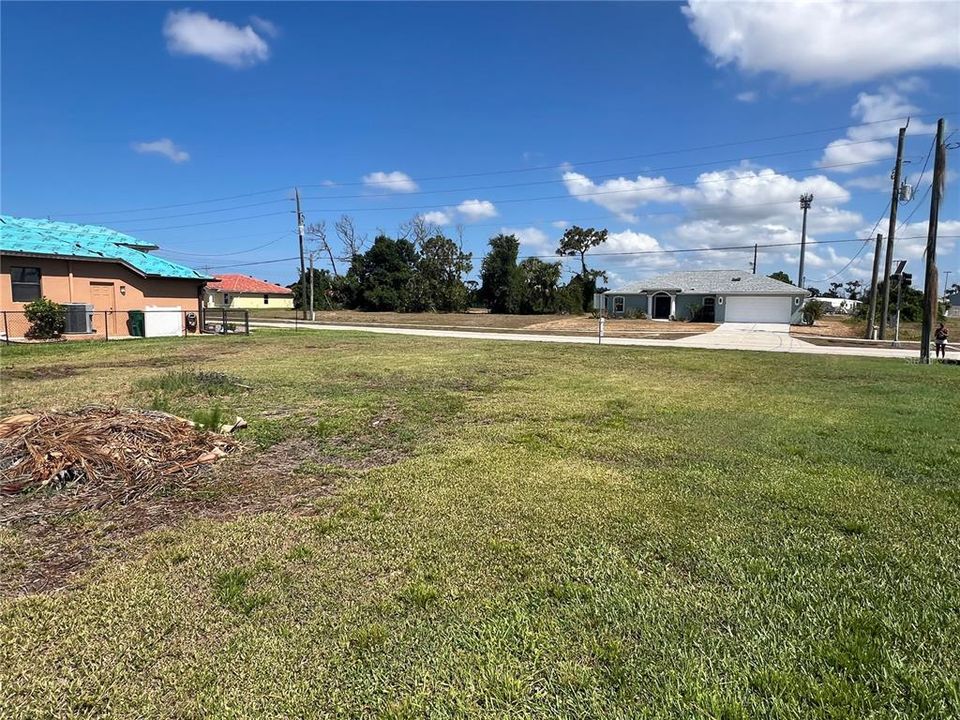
{"type": "Point", "coordinates": [165, 147]}
{"type": "Point", "coordinates": [733, 195]}
{"type": "Point", "coordinates": [437, 217]}
{"type": "Point", "coordinates": [828, 41]}
{"type": "Point", "coordinates": [395, 181]}
{"type": "Point", "coordinates": [629, 241]}
{"type": "Point", "coordinates": [266, 27]}
{"type": "Point", "coordinates": [190, 32]}
{"type": "Point", "coordinates": [620, 195]}
{"type": "Point", "coordinates": [747, 96]}
{"type": "Point", "coordinates": [473, 210]}
{"type": "Point", "coordinates": [561, 224]}
{"type": "Point", "coordinates": [874, 111]}
{"type": "Point", "coordinates": [533, 241]}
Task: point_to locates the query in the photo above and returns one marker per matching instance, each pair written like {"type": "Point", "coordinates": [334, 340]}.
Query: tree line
{"type": "Point", "coordinates": [424, 270]}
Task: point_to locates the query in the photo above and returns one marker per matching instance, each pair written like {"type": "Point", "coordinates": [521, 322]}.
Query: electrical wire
{"type": "Point", "coordinates": [862, 247]}
{"type": "Point", "coordinates": [494, 172]}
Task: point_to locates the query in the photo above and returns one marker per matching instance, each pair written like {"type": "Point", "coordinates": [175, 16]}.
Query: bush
{"type": "Point", "coordinates": [47, 319]}
{"type": "Point", "coordinates": [634, 314]}
{"type": "Point", "coordinates": [815, 310]}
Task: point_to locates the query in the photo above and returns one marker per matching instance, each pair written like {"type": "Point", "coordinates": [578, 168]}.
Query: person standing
{"type": "Point", "coordinates": [940, 341]}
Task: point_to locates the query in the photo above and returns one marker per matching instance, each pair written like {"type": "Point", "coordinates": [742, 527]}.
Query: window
{"type": "Point", "coordinates": [719, 301]}
{"type": "Point", "coordinates": [266, 299]}
{"type": "Point", "coordinates": [618, 304]}
{"type": "Point", "coordinates": [226, 299]}
{"type": "Point", "coordinates": [25, 282]}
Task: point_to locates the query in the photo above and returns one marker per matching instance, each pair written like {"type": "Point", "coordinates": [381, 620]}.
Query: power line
{"type": "Point", "coordinates": [663, 251]}
{"type": "Point", "coordinates": [238, 252]}
{"type": "Point", "coordinates": [862, 247]}
{"type": "Point", "coordinates": [643, 155]}
{"type": "Point", "coordinates": [614, 174]}
{"type": "Point", "coordinates": [659, 153]}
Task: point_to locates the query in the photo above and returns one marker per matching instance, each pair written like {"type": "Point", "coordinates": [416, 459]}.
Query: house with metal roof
{"type": "Point", "coordinates": [242, 291]}
{"type": "Point", "coordinates": [709, 296]}
{"type": "Point", "coordinates": [88, 264]}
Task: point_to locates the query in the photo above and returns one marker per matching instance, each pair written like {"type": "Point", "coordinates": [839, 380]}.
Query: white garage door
{"type": "Point", "coordinates": [758, 309]}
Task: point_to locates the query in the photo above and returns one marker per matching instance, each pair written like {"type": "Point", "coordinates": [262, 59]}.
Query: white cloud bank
{"type": "Point", "coordinates": [164, 146]}
{"type": "Point", "coordinates": [395, 181]}
{"type": "Point", "coordinates": [191, 32]}
{"type": "Point", "coordinates": [832, 42]}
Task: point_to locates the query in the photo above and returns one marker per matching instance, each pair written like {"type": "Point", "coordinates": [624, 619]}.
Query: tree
{"type": "Point", "coordinates": [540, 286]}
{"type": "Point", "coordinates": [352, 241]}
{"type": "Point", "coordinates": [814, 291]}
{"type": "Point", "coordinates": [815, 310]}
{"type": "Point", "coordinates": [853, 289]}
{"type": "Point", "coordinates": [577, 241]}
{"type": "Point", "coordinates": [326, 290]}
{"type": "Point", "coordinates": [438, 284]}
{"type": "Point", "coordinates": [500, 282]}
{"type": "Point", "coordinates": [834, 291]}
{"type": "Point", "coordinates": [380, 278]}
{"type": "Point", "coordinates": [781, 276]}
{"type": "Point", "coordinates": [317, 232]}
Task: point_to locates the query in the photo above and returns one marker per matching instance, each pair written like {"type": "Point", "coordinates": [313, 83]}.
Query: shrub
{"type": "Point", "coordinates": [634, 314]}
{"type": "Point", "coordinates": [209, 420]}
{"type": "Point", "coordinates": [815, 310]}
{"type": "Point", "coordinates": [47, 319]}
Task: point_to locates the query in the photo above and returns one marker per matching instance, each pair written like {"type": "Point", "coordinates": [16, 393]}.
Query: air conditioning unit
{"type": "Point", "coordinates": [79, 318]}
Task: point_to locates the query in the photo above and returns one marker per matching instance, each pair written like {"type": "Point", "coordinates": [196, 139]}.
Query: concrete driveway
{"type": "Point", "coordinates": [749, 336]}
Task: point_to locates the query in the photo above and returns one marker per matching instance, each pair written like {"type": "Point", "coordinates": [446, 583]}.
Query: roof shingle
{"type": "Point", "coordinates": [235, 283]}
{"type": "Point", "coordinates": [710, 282]}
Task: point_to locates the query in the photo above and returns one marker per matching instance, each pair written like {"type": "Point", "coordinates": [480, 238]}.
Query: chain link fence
{"type": "Point", "coordinates": [116, 324]}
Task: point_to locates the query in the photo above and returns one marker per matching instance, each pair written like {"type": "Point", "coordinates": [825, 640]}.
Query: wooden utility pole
{"type": "Point", "coordinates": [303, 270]}
{"type": "Point", "coordinates": [806, 201]}
{"type": "Point", "coordinates": [313, 315]}
{"type": "Point", "coordinates": [872, 311]}
{"type": "Point", "coordinates": [754, 258]}
{"type": "Point", "coordinates": [930, 289]}
{"type": "Point", "coordinates": [891, 232]}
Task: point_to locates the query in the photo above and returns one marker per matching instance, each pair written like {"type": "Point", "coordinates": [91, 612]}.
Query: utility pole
{"type": "Point", "coordinates": [754, 258]}
{"type": "Point", "coordinates": [930, 293]}
{"type": "Point", "coordinates": [303, 270]}
{"type": "Point", "coordinates": [313, 315]}
{"type": "Point", "coordinates": [806, 201]}
{"type": "Point", "coordinates": [891, 231]}
{"type": "Point", "coordinates": [872, 311]}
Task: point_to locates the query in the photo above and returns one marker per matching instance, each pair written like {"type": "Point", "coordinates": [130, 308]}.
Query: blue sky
{"type": "Point", "coordinates": [674, 126]}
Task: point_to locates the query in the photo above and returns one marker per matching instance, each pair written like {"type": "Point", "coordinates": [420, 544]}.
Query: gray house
{"type": "Point", "coordinates": [709, 296]}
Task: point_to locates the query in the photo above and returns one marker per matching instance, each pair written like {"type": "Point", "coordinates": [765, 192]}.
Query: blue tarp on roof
{"type": "Point", "coordinates": [62, 239]}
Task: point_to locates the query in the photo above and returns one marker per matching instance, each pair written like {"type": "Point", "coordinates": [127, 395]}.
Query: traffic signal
{"type": "Point", "coordinates": [907, 279]}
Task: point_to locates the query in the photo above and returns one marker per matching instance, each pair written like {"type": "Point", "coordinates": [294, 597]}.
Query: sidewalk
{"type": "Point", "coordinates": [735, 337]}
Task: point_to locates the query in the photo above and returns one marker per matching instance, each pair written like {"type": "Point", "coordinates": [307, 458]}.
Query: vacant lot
{"type": "Point", "coordinates": [560, 324]}
{"type": "Point", "coordinates": [418, 527]}
{"type": "Point", "coordinates": [848, 327]}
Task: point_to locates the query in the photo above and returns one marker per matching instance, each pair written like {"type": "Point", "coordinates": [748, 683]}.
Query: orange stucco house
{"type": "Point", "coordinates": [70, 263]}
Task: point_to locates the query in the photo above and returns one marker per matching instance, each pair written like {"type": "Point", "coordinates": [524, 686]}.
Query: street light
{"type": "Point", "coordinates": [806, 200]}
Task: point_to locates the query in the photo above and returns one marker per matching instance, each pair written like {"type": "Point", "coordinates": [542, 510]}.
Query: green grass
{"type": "Point", "coordinates": [560, 531]}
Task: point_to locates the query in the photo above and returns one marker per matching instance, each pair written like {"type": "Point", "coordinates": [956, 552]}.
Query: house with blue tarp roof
{"type": "Point", "coordinates": [88, 264]}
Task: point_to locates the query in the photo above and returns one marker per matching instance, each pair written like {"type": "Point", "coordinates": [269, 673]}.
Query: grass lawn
{"type": "Point", "coordinates": [419, 527]}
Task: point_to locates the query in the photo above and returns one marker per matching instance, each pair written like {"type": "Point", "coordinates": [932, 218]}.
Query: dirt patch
{"type": "Point", "coordinates": [44, 551]}
{"type": "Point", "coordinates": [44, 372]}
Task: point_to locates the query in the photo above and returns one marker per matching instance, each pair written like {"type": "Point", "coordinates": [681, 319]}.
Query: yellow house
{"type": "Point", "coordinates": [247, 293]}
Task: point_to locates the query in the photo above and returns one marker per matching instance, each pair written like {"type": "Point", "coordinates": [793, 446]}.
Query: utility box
{"type": "Point", "coordinates": [78, 319]}
{"type": "Point", "coordinates": [162, 322]}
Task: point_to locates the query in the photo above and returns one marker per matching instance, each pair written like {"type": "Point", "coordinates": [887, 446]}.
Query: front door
{"type": "Point", "coordinates": [661, 307]}
{"type": "Point", "coordinates": [104, 315]}
{"type": "Point", "coordinates": [709, 309]}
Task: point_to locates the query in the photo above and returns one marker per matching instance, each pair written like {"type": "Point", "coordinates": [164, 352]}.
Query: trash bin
{"type": "Point", "coordinates": [135, 323]}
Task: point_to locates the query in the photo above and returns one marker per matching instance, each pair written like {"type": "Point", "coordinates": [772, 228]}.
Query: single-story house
{"type": "Point", "coordinates": [71, 263]}
{"type": "Point", "coordinates": [953, 306]}
{"type": "Point", "coordinates": [839, 306]}
{"type": "Point", "coordinates": [709, 296]}
{"type": "Point", "coordinates": [243, 291]}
